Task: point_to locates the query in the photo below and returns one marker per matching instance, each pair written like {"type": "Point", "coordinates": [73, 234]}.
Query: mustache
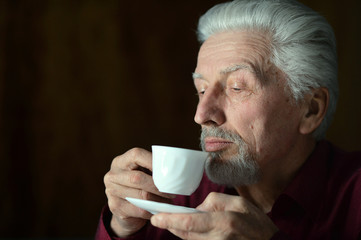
{"type": "Point", "coordinates": [219, 133]}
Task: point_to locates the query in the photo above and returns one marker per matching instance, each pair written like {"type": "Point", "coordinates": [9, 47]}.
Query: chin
{"type": "Point", "coordinates": [232, 172]}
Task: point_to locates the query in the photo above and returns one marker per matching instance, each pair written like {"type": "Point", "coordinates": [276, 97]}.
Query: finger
{"type": "Point", "coordinates": [214, 202]}
{"type": "Point", "coordinates": [133, 159]}
{"type": "Point", "coordinates": [124, 209]}
{"type": "Point", "coordinates": [119, 191]}
{"type": "Point", "coordinates": [223, 202]}
{"type": "Point", "coordinates": [137, 180]}
{"type": "Point", "coordinates": [194, 222]}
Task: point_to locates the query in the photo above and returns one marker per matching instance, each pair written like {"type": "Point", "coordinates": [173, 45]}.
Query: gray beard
{"type": "Point", "coordinates": [239, 170]}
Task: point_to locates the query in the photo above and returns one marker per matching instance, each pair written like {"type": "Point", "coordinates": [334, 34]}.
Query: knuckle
{"type": "Point", "coordinates": [135, 177]}
{"type": "Point", "coordinates": [109, 192]}
{"type": "Point", "coordinates": [210, 199]}
{"type": "Point", "coordinates": [116, 160]}
{"type": "Point", "coordinates": [135, 152]}
{"type": "Point", "coordinates": [212, 196]}
{"type": "Point", "coordinates": [117, 208]}
{"type": "Point", "coordinates": [188, 223]}
{"type": "Point", "coordinates": [142, 194]}
{"type": "Point", "coordinates": [109, 177]}
{"type": "Point", "coordinates": [112, 206]}
{"type": "Point", "coordinates": [106, 178]}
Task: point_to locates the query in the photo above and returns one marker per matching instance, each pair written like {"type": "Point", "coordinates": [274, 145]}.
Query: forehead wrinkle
{"type": "Point", "coordinates": [229, 52]}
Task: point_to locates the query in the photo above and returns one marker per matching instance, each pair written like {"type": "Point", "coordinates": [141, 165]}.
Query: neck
{"type": "Point", "coordinates": [276, 176]}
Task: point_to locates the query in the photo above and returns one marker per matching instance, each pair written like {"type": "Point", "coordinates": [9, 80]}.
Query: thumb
{"type": "Point", "coordinates": [214, 202]}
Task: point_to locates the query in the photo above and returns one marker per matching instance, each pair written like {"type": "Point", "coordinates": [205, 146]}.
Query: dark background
{"type": "Point", "coordinates": [83, 81]}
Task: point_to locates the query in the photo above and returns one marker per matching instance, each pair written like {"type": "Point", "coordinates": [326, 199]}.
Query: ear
{"type": "Point", "coordinates": [316, 105]}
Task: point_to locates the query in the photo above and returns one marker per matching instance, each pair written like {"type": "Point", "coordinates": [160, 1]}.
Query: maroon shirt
{"type": "Point", "coordinates": [322, 202]}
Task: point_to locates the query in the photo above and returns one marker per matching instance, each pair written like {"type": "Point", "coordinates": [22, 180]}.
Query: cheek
{"type": "Point", "coordinates": [264, 125]}
{"type": "Point", "coordinates": [263, 122]}
{"type": "Point", "coordinates": [280, 124]}
{"type": "Point", "coordinates": [245, 119]}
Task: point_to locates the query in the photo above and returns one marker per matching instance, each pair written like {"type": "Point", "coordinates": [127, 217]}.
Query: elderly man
{"type": "Point", "coordinates": [267, 82]}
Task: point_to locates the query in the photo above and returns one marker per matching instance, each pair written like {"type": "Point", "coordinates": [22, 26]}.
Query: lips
{"type": "Point", "coordinates": [216, 144]}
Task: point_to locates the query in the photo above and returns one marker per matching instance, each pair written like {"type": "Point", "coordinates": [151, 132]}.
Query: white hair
{"type": "Point", "coordinates": [303, 44]}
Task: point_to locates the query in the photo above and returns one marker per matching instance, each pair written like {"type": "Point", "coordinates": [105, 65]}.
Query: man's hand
{"type": "Point", "coordinates": [130, 176]}
{"type": "Point", "coordinates": [226, 217]}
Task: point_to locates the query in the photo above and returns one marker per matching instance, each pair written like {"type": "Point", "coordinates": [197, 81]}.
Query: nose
{"type": "Point", "coordinates": [210, 109]}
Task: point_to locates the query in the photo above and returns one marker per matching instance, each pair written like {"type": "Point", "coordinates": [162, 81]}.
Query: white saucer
{"type": "Point", "coordinates": [156, 207]}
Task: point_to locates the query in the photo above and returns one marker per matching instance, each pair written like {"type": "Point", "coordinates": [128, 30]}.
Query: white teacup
{"type": "Point", "coordinates": [177, 170]}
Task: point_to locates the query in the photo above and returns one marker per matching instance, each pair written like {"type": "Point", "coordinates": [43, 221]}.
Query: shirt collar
{"type": "Point", "coordinates": [307, 188]}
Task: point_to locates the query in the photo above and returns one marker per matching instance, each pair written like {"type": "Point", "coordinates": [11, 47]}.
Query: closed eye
{"type": "Point", "coordinates": [201, 92]}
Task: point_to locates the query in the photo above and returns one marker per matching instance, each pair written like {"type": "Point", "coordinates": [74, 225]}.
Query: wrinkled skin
{"type": "Point", "coordinates": [129, 176]}
{"type": "Point", "coordinates": [224, 217]}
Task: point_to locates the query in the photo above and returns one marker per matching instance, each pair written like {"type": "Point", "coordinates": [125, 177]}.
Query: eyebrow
{"type": "Point", "coordinates": [236, 68]}
{"type": "Point", "coordinates": [227, 70]}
